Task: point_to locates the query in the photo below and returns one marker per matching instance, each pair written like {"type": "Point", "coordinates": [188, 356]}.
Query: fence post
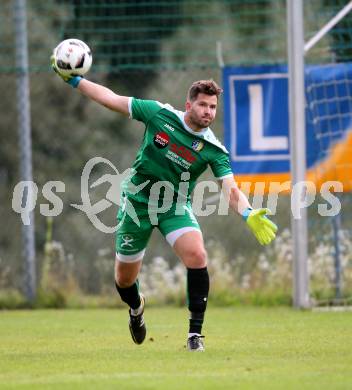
{"type": "Point", "coordinates": [25, 143]}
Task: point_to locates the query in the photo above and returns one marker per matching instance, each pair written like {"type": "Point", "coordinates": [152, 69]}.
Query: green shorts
{"type": "Point", "coordinates": [136, 223]}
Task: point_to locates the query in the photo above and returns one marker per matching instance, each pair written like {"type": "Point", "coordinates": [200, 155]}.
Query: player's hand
{"type": "Point", "coordinates": [72, 80]}
{"type": "Point", "coordinates": [260, 225]}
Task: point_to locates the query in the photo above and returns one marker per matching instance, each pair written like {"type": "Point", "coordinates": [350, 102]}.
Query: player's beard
{"type": "Point", "coordinates": [200, 122]}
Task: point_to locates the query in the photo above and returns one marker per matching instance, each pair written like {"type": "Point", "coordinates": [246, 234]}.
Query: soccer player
{"type": "Point", "coordinates": [176, 149]}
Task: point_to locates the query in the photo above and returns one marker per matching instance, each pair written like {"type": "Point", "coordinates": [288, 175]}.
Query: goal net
{"type": "Point", "coordinates": [328, 91]}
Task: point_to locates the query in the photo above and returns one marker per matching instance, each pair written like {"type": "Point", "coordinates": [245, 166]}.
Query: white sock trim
{"type": "Point", "coordinates": [136, 312]}
{"type": "Point", "coordinates": [193, 334]}
{"type": "Point", "coordinates": [139, 310]}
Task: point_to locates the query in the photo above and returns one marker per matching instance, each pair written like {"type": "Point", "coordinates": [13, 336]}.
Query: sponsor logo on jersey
{"type": "Point", "coordinates": [177, 159]}
{"type": "Point", "coordinates": [197, 145]}
{"type": "Point", "coordinates": [161, 140]}
{"type": "Point", "coordinates": [169, 127]}
{"type": "Point", "coordinates": [183, 152]}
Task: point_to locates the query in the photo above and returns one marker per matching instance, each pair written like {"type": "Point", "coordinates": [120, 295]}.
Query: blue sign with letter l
{"type": "Point", "coordinates": [256, 118]}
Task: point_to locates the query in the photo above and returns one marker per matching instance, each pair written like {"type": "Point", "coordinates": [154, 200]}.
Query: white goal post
{"type": "Point", "coordinates": [297, 49]}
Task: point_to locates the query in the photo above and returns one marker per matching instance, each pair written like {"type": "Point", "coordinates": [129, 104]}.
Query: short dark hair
{"type": "Point", "coordinates": [208, 87]}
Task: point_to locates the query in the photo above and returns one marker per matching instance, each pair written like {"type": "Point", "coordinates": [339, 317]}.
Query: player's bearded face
{"type": "Point", "coordinates": [202, 111]}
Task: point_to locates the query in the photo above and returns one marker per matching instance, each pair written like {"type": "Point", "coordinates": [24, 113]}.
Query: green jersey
{"type": "Point", "coordinates": [171, 152]}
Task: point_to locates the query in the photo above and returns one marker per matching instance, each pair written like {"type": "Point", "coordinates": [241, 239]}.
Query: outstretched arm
{"type": "Point", "coordinates": [237, 199]}
{"type": "Point", "coordinates": [104, 96]}
{"type": "Point", "coordinates": [96, 92]}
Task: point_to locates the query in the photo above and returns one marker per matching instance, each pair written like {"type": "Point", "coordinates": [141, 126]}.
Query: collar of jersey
{"type": "Point", "coordinates": [205, 134]}
{"type": "Point", "coordinates": [199, 133]}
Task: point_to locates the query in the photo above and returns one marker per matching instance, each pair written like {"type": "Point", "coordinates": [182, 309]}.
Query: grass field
{"type": "Point", "coordinates": [246, 348]}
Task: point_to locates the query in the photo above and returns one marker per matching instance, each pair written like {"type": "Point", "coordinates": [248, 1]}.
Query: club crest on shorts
{"type": "Point", "coordinates": [197, 145]}
{"type": "Point", "coordinates": [127, 240]}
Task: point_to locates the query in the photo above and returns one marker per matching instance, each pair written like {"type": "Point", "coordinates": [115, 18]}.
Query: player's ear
{"type": "Point", "coordinates": [188, 105]}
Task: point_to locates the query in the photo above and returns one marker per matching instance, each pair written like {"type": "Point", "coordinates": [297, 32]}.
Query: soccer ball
{"type": "Point", "coordinates": [73, 57]}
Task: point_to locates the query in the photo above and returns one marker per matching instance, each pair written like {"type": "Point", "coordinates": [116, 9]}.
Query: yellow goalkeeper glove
{"type": "Point", "coordinates": [72, 80]}
{"type": "Point", "coordinates": [260, 225]}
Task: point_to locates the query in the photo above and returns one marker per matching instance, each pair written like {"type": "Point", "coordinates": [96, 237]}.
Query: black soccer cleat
{"type": "Point", "coordinates": [137, 325]}
{"type": "Point", "coordinates": [195, 343]}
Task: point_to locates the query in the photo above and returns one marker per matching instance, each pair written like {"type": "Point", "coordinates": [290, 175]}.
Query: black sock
{"type": "Point", "coordinates": [130, 295]}
{"type": "Point", "coordinates": [197, 292]}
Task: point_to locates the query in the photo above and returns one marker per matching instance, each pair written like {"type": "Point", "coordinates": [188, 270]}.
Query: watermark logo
{"type": "Point", "coordinates": [25, 196]}
{"type": "Point", "coordinates": [114, 195]}
{"type": "Point", "coordinates": [161, 196]}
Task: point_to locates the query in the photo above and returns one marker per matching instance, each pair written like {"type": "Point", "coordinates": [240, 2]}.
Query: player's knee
{"type": "Point", "coordinates": [197, 258]}
{"type": "Point", "coordinates": [124, 281]}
